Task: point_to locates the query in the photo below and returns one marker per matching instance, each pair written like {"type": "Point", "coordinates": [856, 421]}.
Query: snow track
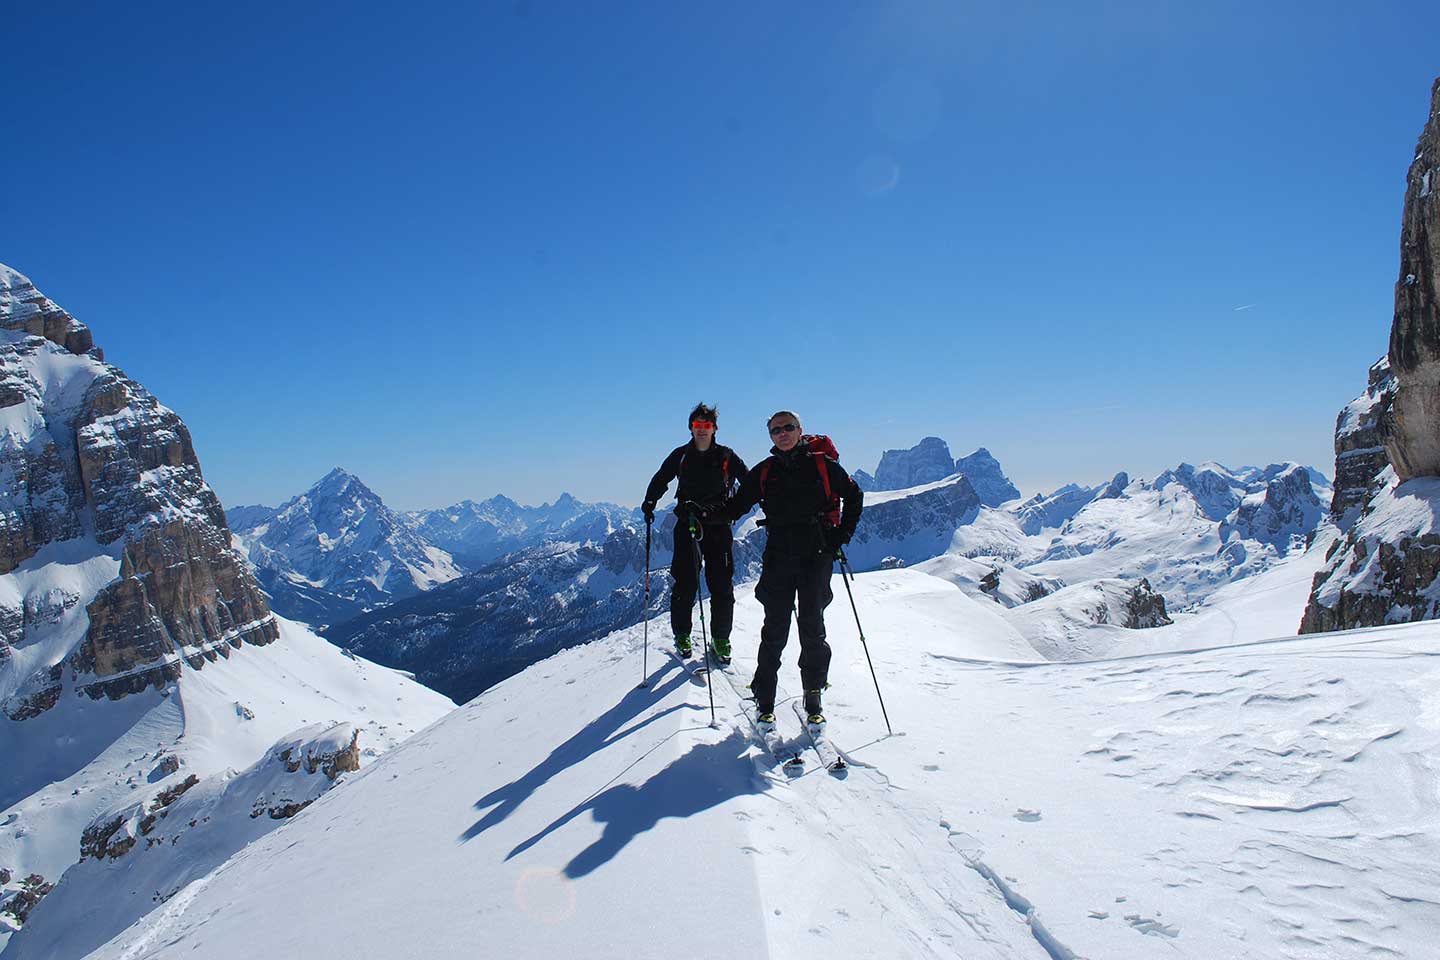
{"type": "Point", "coordinates": [1272, 801]}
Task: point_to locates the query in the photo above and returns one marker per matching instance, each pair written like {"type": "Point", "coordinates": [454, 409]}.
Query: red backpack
{"type": "Point", "coordinates": [820, 447]}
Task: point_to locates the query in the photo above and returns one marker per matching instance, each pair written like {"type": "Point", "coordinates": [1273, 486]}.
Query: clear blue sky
{"type": "Point", "coordinates": [503, 247]}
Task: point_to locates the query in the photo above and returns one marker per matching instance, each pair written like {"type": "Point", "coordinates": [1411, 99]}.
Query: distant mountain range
{"type": "Point", "coordinates": [1184, 534]}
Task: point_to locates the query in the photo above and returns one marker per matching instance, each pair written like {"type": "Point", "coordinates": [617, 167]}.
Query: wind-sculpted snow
{"type": "Point", "coordinates": [1232, 802]}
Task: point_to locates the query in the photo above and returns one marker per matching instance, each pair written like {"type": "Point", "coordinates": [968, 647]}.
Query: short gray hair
{"type": "Point", "coordinates": [783, 413]}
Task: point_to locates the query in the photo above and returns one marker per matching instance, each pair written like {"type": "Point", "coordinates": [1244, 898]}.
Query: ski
{"type": "Point", "coordinates": [829, 754]}
{"type": "Point", "coordinates": [790, 758]}
{"type": "Point", "coordinates": [695, 668]}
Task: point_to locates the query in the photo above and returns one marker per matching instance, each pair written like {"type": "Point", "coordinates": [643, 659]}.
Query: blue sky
{"type": "Point", "coordinates": [504, 247]}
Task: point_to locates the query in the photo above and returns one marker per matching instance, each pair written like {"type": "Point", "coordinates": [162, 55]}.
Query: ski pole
{"type": "Point", "coordinates": [697, 534]}
{"type": "Point", "coordinates": [845, 574]}
{"type": "Point", "coordinates": [645, 616]}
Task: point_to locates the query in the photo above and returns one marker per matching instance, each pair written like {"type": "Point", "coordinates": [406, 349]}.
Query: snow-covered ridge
{"type": "Point", "coordinates": [337, 551]}
{"type": "Point", "coordinates": [117, 586]}
{"type": "Point", "coordinates": [1254, 783]}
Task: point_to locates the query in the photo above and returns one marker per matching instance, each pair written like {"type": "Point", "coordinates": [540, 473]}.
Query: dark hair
{"type": "Point", "coordinates": [703, 411]}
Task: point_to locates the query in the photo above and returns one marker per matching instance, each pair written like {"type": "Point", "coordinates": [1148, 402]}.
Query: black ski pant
{"type": "Point", "coordinates": [805, 583]}
{"type": "Point", "coordinates": [716, 548]}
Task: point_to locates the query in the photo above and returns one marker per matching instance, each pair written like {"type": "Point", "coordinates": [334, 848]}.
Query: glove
{"type": "Point", "coordinates": [648, 509]}
{"type": "Point", "coordinates": [835, 538]}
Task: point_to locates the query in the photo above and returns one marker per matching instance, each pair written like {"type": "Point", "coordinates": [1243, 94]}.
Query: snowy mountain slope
{"type": "Point", "coordinates": [477, 534]}
{"type": "Point", "coordinates": [337, 551]}
{"type": "Point", "coordinates": [1272, 800]}
{"type": "Point", "coordinates": [468, 635]}
{"type": "Point", "coordinates": [82, 758]}
{"type": "Point", "coordinates": [1080, 622]}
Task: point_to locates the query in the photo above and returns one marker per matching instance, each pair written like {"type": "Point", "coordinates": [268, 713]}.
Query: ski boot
{"type": "Point", "coordinates": [765, 715]}
{"type": "Point", "coordinates": [720, 650]}
{"type": "Point", "coordinates": [683, 646]}
{"type": "Point", "coordinates": [812, 707]}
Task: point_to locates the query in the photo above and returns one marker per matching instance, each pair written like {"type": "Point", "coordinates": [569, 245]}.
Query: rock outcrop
{"type": "Point", "coordinates": [92, 458]}
{"type": "Point", "coordinates": [1286, 508]}
{"type": "Point", "coordinates": [1144, 608]}
{"type": "Point", "coordinates": [989, 480]}
{"type": "Point", "coordinates": [1385, 568]}
{"type": "Point", "coordinates": [1360, 435]}
{"type": "Point", "coordinates": [927, 461]}
{"type": "Point", "coordinates": [1413, 442]}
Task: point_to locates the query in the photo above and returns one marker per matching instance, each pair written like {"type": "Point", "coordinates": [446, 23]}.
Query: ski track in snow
{"type": "Point", "coordinates": [1274, 801]}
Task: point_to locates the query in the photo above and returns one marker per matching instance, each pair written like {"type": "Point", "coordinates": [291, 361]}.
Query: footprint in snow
{"type": "Point", "coordinates": [1027, 816]}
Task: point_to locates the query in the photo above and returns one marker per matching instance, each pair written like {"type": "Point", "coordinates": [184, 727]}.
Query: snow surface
{"type": "Point", "coordinates": [1275, 799]}
{"type": "Point", "coordinates": [83, 757]}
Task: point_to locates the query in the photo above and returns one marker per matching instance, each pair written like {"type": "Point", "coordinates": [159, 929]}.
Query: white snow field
{"type": "Point", "coordinates": [84, 759]}
{"type": "Point", "coordinates": [1271, 799]}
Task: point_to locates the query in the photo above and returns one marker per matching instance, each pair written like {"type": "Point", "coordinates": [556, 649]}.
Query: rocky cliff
{"type": "Point", "coordinates": [1361, 431]}
{"type": "Point", "coordinates": [927, 461]}
{"type": "Point", "coordinates": [1413, 441]}
{"type": "Point", "coordinates": [984, 473]}
{"type": "Point", "coordinates": [94, 471]}
{"type": "Point", "coordinates": [1386, 569]}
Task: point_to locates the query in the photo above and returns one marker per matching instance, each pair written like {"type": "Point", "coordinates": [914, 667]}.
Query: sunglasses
{"type": "Point", "coordinates": [783, 428]}
{"type": "Point", "coordinates": [702, 424]}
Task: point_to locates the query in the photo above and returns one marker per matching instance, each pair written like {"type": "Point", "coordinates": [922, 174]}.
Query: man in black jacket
{"type": "Point", "coordinates": [800, 551]}
{"type": "Point", "coordinates": [707, 471]}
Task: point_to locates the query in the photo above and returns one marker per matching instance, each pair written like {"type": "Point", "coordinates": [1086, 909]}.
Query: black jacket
{"type": "Point", "coordinates": [706, 478]}
{"type": "Point", "coordinates": [794, 501]}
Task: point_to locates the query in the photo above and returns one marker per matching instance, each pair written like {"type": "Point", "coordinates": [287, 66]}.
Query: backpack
{"type": "Point", "coordinates": [820, 446]}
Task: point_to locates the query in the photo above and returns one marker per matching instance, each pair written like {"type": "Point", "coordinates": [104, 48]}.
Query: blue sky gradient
{"type": "Point", "coordinates": [504, 247]}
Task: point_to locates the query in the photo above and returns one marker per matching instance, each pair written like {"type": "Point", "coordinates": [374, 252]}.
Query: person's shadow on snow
{"type": "Point", "coordinates": [706, 776]}
{"type": "Point", "coordinates": [595, 736]}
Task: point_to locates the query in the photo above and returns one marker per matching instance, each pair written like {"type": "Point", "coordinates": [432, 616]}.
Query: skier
{"type": "Point", "coordinates": [805, 533]}
{"type": "Point", "coordinates": [707, 471]}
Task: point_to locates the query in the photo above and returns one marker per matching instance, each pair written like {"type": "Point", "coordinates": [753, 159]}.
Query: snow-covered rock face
{"type": "Point", "coordinates": [1360, 433]}
{"type": "Point", "coordinates": [25, 309]}
{"type": "Point", "coordinates": [1285, 509]}
{"type": "Point", "coordinates": [337, 551]}
{"type": "Point", "coordinates": [1387, 567]}
{"type": "Point", "coordinates": [984, 473]}
{"type": "Point", "coordinates": [1413, 442]}
{"type": "Point", "coordinates": [927, 461]}
{"type": "Point", "coordinates": [911, 525]}
{"type": "Point", "coordinates": [1216, 490]}
{"type": "Point", "coordinates": [94, 469]}
{"type": "Point", "coordinates": [117, 585]}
